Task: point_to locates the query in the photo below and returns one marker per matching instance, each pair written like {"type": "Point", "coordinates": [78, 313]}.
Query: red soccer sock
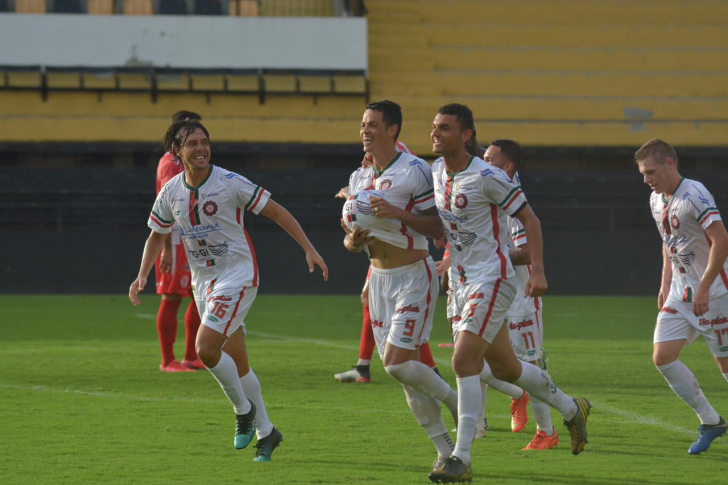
{"type": "Point", "coordinates": [366, 344]}
{"type": "Point", "coordinates": [426, 355]}
{"type": "Point", "coordinates": [192, 324]}
{"type": "Point", "coordinates": [167, 328]}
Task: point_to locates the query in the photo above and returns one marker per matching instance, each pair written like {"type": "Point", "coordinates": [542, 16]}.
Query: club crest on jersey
{"type": "Point", "coordinates": [209, 208]}
{"type": "Point", "coordinates": [461, 201]}
{"type": "Point", "coordinates": [385, 184]}
{"type": "Point", "coordinates": [675, 221]}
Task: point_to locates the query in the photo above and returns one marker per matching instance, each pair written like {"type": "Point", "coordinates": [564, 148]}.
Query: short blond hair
{"type": "Point", "coordinates": [659, 151]}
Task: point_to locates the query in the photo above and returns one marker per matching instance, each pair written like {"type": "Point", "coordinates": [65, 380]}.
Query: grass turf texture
{"type": "Point", "coordinates": [83, 401]}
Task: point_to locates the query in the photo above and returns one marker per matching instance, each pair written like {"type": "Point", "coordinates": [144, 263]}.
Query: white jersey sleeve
{"type": "Point", "coordinates": [246, 194]}
{"type": "Point", "coordinates": [423, 192]}
{"type": "Point", "coordinates": [507, 194]}
{"type": "Point", "coordinates": [161, 219]}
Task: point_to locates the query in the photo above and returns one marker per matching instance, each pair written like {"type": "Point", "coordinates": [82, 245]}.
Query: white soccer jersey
{"type": "Point", "coordinates": [474, 206]}
{"type": "Point", "coordinates": [210, 219]}
{"type": "Point", "coordinates": [682, 220]}
{"type": "Point", "coordinates": [405, 183]}
{"type": "Point", "coordinates": [522, 305]}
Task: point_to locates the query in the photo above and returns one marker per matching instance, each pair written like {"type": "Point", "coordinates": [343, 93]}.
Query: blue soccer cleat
{"type": "Point", "coordinates": [245, 428]}
{"type": "Point", "coordinates": [708, 433]}
{"type": "Point", "coordinates": [267, 445]}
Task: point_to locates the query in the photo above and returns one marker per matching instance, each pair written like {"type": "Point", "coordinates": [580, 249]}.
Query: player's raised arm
{"type": "Point", "coordinates": [537, 284]}
{"type": "Point", "coordinates": [152, 248]}
{"type": "Point", "coordinates": [278, 214]}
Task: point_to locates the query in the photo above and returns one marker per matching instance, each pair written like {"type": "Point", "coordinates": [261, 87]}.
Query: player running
{"type": "Point", "coordinates": [208, 204]}
{"type": "Point", "coordinates": [693, 298]}
{"type": "Point", "coordinates": [474, 200]}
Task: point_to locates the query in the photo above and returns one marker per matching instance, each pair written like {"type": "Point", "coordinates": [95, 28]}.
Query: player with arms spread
{"type": "Point", "coordinates": [390, 214]}
{"type": "Point", "coordinates": [207, 202]}
{"type": "Point", "coordinates": [474, 200]}
{"type": "Point", "coordinates": [693, 297]}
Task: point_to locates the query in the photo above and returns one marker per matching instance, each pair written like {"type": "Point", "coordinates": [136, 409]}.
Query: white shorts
{"type": "Point", "coordinates": [526, 334]}
{"type": "Point", "coordinates": [402, 304]}
{"type": "Point", "coordinates": [677, 321]}
{"type": "Point", "coordinates": [481, 306]}
{"type": "Point", "coordinates": [224, 309]}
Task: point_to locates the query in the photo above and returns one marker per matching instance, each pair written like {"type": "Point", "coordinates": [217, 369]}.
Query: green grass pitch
{"type": "Point", "coordinates": [82, 400]}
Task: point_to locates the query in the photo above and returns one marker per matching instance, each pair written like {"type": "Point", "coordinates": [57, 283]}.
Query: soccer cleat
{"type": "Point", "coordinates": [193, 364]}
{"type": "Point", "coordinates": [174, 366]}
{"type": "Point", "coordinates": [267, 445]}
{"type": "Point", "coordinates": [360, 374]}
{"type": "Point", "coordinates": [708, 433]}
{"type": "Point", "coordinates": [453, 471]}
{"type": "Point", "coordinates": [245, 428]}
{"type": "Point", "coordinates": [439, 462]}
{"type": "Point", "coordinates": [519, 413]}
{"type": "Point", "coordinates": [577, 425]}
{"type": "Point", "coordinates": [542, 442]}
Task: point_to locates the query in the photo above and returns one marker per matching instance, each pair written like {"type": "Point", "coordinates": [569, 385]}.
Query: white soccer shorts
{"type": "Point", "coordinates": [677, 321]}
{"type": "Point", "coordinates": [481, 306]}
{"type": "Point", "coordinates": [224, 309]}
{"type": "Point", "coordinates": [402, 304]}
{"type": "Point", "coordinates": [526, 334]}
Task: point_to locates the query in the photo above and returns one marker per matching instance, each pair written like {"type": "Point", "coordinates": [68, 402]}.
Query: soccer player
{"type": "Point", "coordinates": [693, 298]}
{"type": "Point", "coordinates": [474, 200]}
{"type": "Point", "coordinates": [207, 203]}
{"type": "Point", "coordinates": [390, 214]}
{"type": "Point", "coordinates": [523, 318]}
{"type": "Point", "coordinates": [174, 281]}
{"type": "Point", "coordinates": [361, 373]}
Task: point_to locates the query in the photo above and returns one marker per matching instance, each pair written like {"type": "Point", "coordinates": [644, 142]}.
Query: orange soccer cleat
{"type": "Point", "coordinates": [542, 442]}
{"type": "Point", "coordinates": [519, 413]}
{"type": "Point", "coordinates": [174, 366]}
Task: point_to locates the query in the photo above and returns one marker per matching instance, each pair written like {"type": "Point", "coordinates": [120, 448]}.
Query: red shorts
{"type": "Point", "coordinates": [179, 280]}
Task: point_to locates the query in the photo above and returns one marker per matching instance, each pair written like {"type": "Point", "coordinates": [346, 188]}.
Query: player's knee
{"type": "Point", "coordinates": [207, 354]}
{"type": "Point", "coordinates": [662, 358]}
{"type": "Point", "coordinates": [504, 372]}
{"type": "Point", "coordinates": [400, 372]}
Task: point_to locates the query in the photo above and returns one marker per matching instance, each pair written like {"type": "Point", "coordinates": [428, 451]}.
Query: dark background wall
{"type": "Point", "coordinates": [81, 229]}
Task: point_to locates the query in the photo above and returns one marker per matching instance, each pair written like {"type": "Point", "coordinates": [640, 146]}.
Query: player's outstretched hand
{"type": "Point", "coordinates": [536, 285]}
{"type": "Point", "coordinates": [314, 259]}
{"type": "Point", "coordinates": [343, 193]}
{"type": "Point", "coordinates": [136, 287]}
{"type": "Point", "coordinates": [442, 266]}
{"type": "Point", "coordinates": [382, 208]}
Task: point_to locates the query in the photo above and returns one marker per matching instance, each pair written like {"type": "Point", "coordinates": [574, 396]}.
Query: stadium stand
{"type": "Point", "coordinates": [557, 73]}
{"type": "Point", "coordinates": [30, 6]}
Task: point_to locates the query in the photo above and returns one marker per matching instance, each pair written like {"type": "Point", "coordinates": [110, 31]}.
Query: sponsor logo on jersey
{"type": "Point", "coordinates": [667, 309]}
{"type": "Point", "coordinates": [520, 325]}
{"type": "Point", "coordinates": [723, 349]}
{"type": "Point", "coordinates": [219, 250]}
{"type": "Point", "coordinates": [385, 184]}
{"type": "Point", "coordinates": [205, 196]}
{"type": "Point", "coordinates": [675, 221]}
{"type": "Point", "coordinates": [177, 212]}
{"type": "Point", "coordinates": [408, 308]}
{"type": "Point", "coordinates": [209, 208]}
{"type": "Point", "coordinates": [719, 320]}
{"type": "Point", "coordinates": [405, 340]}
{"type": "Point", "coordinates": [213, 318]}
{"type": "Point", "coordinates": [219, 298]}
{"type": "Point", "coordinates": [531, 352]}
{"type": "Point", "coordinates": [467, 238]}
{"type": "Point", "coordinates": [377, 323]}
{"type": "Point", "coordinates": [461, 201]}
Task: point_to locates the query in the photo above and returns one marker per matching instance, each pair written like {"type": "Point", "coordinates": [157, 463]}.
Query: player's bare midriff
{"type": "Point", "coordinates": [386, 256]}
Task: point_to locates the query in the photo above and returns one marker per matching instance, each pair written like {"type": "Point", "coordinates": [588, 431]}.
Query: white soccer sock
{"type": "Point", "coordinates": [481, 415]}
{"type": "Point", "coordinates": [423, 379]}
{"type": "Point", "coordinates": [542, 413]}
{"type": "Point", "coordinates": [537, 383]}
{"type": "Point", "coordinates": [363, 362]}
{"type": "Point", "coordinates": [251, 387]}
{"type": "Point", "coordinates": [226, 373]}
{"type": "Point", "coordinates": [427, 413]}
{"type": "Point", "coordinates": [506, 388]}
{"type": "Point", "coordinates": [685, 385]}
{"type": "Point", "coordinates": [468, 408]}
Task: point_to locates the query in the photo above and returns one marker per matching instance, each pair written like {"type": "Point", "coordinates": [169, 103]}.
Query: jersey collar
{"type": "Point", "coordinates": [378, 173]}
{"type": "Point", "coordinates": [665, 200]}
{"type": "Point", "coordinates": [452, 174]}
{"type": "Point", "coordinates": [184, 182]}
